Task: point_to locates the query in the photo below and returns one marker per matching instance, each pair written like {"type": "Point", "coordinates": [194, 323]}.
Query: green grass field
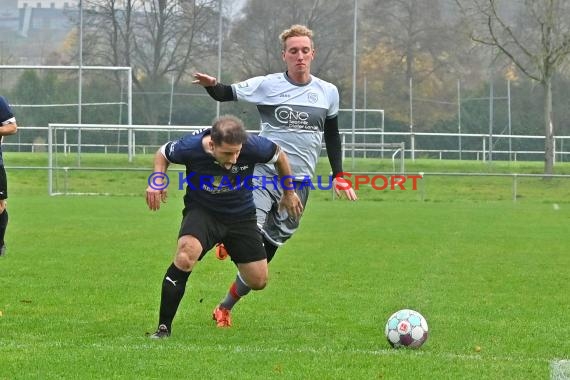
{"type": "Point", "coordinates": [80, 284]}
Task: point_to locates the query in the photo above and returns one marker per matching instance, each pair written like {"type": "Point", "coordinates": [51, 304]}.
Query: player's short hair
{"type": "Point", "coordinates": [228, 129]}
{"type": "Point", "coordinates": [296, 31]}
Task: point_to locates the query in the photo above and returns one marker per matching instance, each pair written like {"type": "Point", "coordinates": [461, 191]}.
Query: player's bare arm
{"type": "Point", "coordinates": [157, 194]}
{"type": "Point", "coordinates": [9, 128]}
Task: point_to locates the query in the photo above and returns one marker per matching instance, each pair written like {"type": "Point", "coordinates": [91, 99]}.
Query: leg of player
{"type": "Point", "coordinates": [174, 283]}
{"type": "Point", "coordinates": [239, 288]}
{"type": "Point", "coordinates": [250, 276]}
{"type": "Point", "coordinates": [3, 225]}
{"type": "Point", "coordinates": [266, 200]}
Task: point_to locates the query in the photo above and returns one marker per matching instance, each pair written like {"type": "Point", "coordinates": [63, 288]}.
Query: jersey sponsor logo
{"type": "Point", "coordinates": [243, 84]}
{"type": "Point", "coordinates": [286, 115]}
{"type": "Point", "coordinates": [292, 118]}
{"type": "Point", "coordinates": [223, 184]}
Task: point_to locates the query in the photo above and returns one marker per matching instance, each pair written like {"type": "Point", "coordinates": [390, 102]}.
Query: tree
{"type": "Point", "coordinates": [535, 37]}
{"type": "Point", "coordinates": [255, 37]}
{"type": "Point", "coordinates": [161, 40]}
{"type": "Point", "coordinates": [403, 45]}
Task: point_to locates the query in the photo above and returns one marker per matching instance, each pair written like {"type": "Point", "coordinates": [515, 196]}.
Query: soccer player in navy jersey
{"type": "Point", "coordinates": [8, 126]}
{"type": "Point", "coordinates": [218, 204]}
{"type": "Point", "coordinates": [296, 109]}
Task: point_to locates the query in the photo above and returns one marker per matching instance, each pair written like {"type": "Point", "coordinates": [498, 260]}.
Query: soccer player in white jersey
{"type": "Point", "coordinates": [297, 109]}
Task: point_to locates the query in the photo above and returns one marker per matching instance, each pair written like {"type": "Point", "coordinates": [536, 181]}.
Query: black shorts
{"type": "Point", "coordinates": [241, 236]}
{"type": "Point", "coordinates": [3, 183]}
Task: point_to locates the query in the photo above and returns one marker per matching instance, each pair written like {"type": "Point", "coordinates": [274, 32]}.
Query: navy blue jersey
{"type": "Point", "coordinates": [222, 191]}
{"type": "Point", "coordinates": [6, 116]}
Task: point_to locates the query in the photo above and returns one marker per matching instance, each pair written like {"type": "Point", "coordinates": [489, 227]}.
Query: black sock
{"type": "Point", "coordinates": [3, 225]}
{"type": "Point", "coordinates": [270, 249]}
{"type": "Point", "coordinates": [173, 287]}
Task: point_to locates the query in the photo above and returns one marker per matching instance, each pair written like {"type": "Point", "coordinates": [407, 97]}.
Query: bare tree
{"type": "Point", "coordinates": [160, 39]}
{"type": "Point", "coordinates": [537, 42]}
{"type": "Point", "coordinates": [408, 26]}
{"type": "Point", "coordinates": [403, 43]}
{"type": "Point", "coordinates": [255, 38]}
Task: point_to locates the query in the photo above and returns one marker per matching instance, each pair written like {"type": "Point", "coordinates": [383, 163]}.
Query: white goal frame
{"type": "Point", "coordinates": [353, 131]}
{"type": "Point", "coordinates": [80, 68]}
{"type": "Point", "coordinates": [131, 144]}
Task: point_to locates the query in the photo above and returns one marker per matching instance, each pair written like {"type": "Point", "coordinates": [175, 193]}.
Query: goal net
{"type": "Point", "coordinates": [367, 146]}
{"type": "Point", "coordinates": [69, 93]}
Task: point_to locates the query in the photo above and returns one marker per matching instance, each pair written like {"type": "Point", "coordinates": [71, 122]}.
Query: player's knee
{"type": "Point", "coordinates": [257, 280]}
{"type": "Point", "coordinates": [258, 283]}
{"type": "Point", "coordinates": [2, 206]}
{"type": "Point", "coordinates": [189, 250]}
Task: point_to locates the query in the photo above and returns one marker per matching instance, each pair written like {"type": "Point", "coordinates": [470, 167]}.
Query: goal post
{"type": "Point", "coordinates": [79, 153]}
{"type": "Point", "coordinates": [365, 117]}
{"type": "Point", "coordinates": [397, 150]}
{"type": "Point", "coordinates": [75, 99]}
{"type": "Point", "coordinates": [367, 137]}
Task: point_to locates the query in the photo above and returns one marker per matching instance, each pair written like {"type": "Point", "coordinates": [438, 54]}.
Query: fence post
{"type": "Point", "coordinates": [514, 187]}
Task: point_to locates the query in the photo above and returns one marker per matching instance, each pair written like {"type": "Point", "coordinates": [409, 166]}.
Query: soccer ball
{"type": "Point", "coordinates": [406, 328]}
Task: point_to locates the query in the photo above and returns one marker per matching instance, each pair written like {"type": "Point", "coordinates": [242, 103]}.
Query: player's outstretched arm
{"type": "Point", "coordinates": [204, 80]}
{"type": "Point", "coordinates": [334, 153]}
{"type": "Point", "coordinates": [218, 91]}
{"type": "Point", "coordinates": [156, 191]}
{"type": "Point", "coordinates": [343, 188]}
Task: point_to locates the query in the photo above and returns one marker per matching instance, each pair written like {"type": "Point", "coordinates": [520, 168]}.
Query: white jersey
{"type": "Point", "coordinates": [292, 115]}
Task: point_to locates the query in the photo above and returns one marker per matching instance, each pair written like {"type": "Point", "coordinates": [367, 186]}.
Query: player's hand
{"type": "Point", "coordinates": [154, 197]}
{"type": "Point", "coordinates": [204, 80]}
{"type": "Point", "coordinates": [292, 204]}
{"type": "Point", "coordinates": [342, 186]}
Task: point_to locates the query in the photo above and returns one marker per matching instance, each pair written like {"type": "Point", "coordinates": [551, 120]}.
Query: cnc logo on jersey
{"type": "Point", "coordinates": [288, 115]}
{"type": "Point", "coordinates": [312, 97]}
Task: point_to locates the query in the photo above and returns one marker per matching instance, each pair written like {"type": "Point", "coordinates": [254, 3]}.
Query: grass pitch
{"type": "Point", "coordinates": [80, 287]}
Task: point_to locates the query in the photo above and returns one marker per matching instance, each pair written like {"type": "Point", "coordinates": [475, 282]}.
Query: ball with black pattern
{"type": "Point", "coordinates": [406, 328]}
